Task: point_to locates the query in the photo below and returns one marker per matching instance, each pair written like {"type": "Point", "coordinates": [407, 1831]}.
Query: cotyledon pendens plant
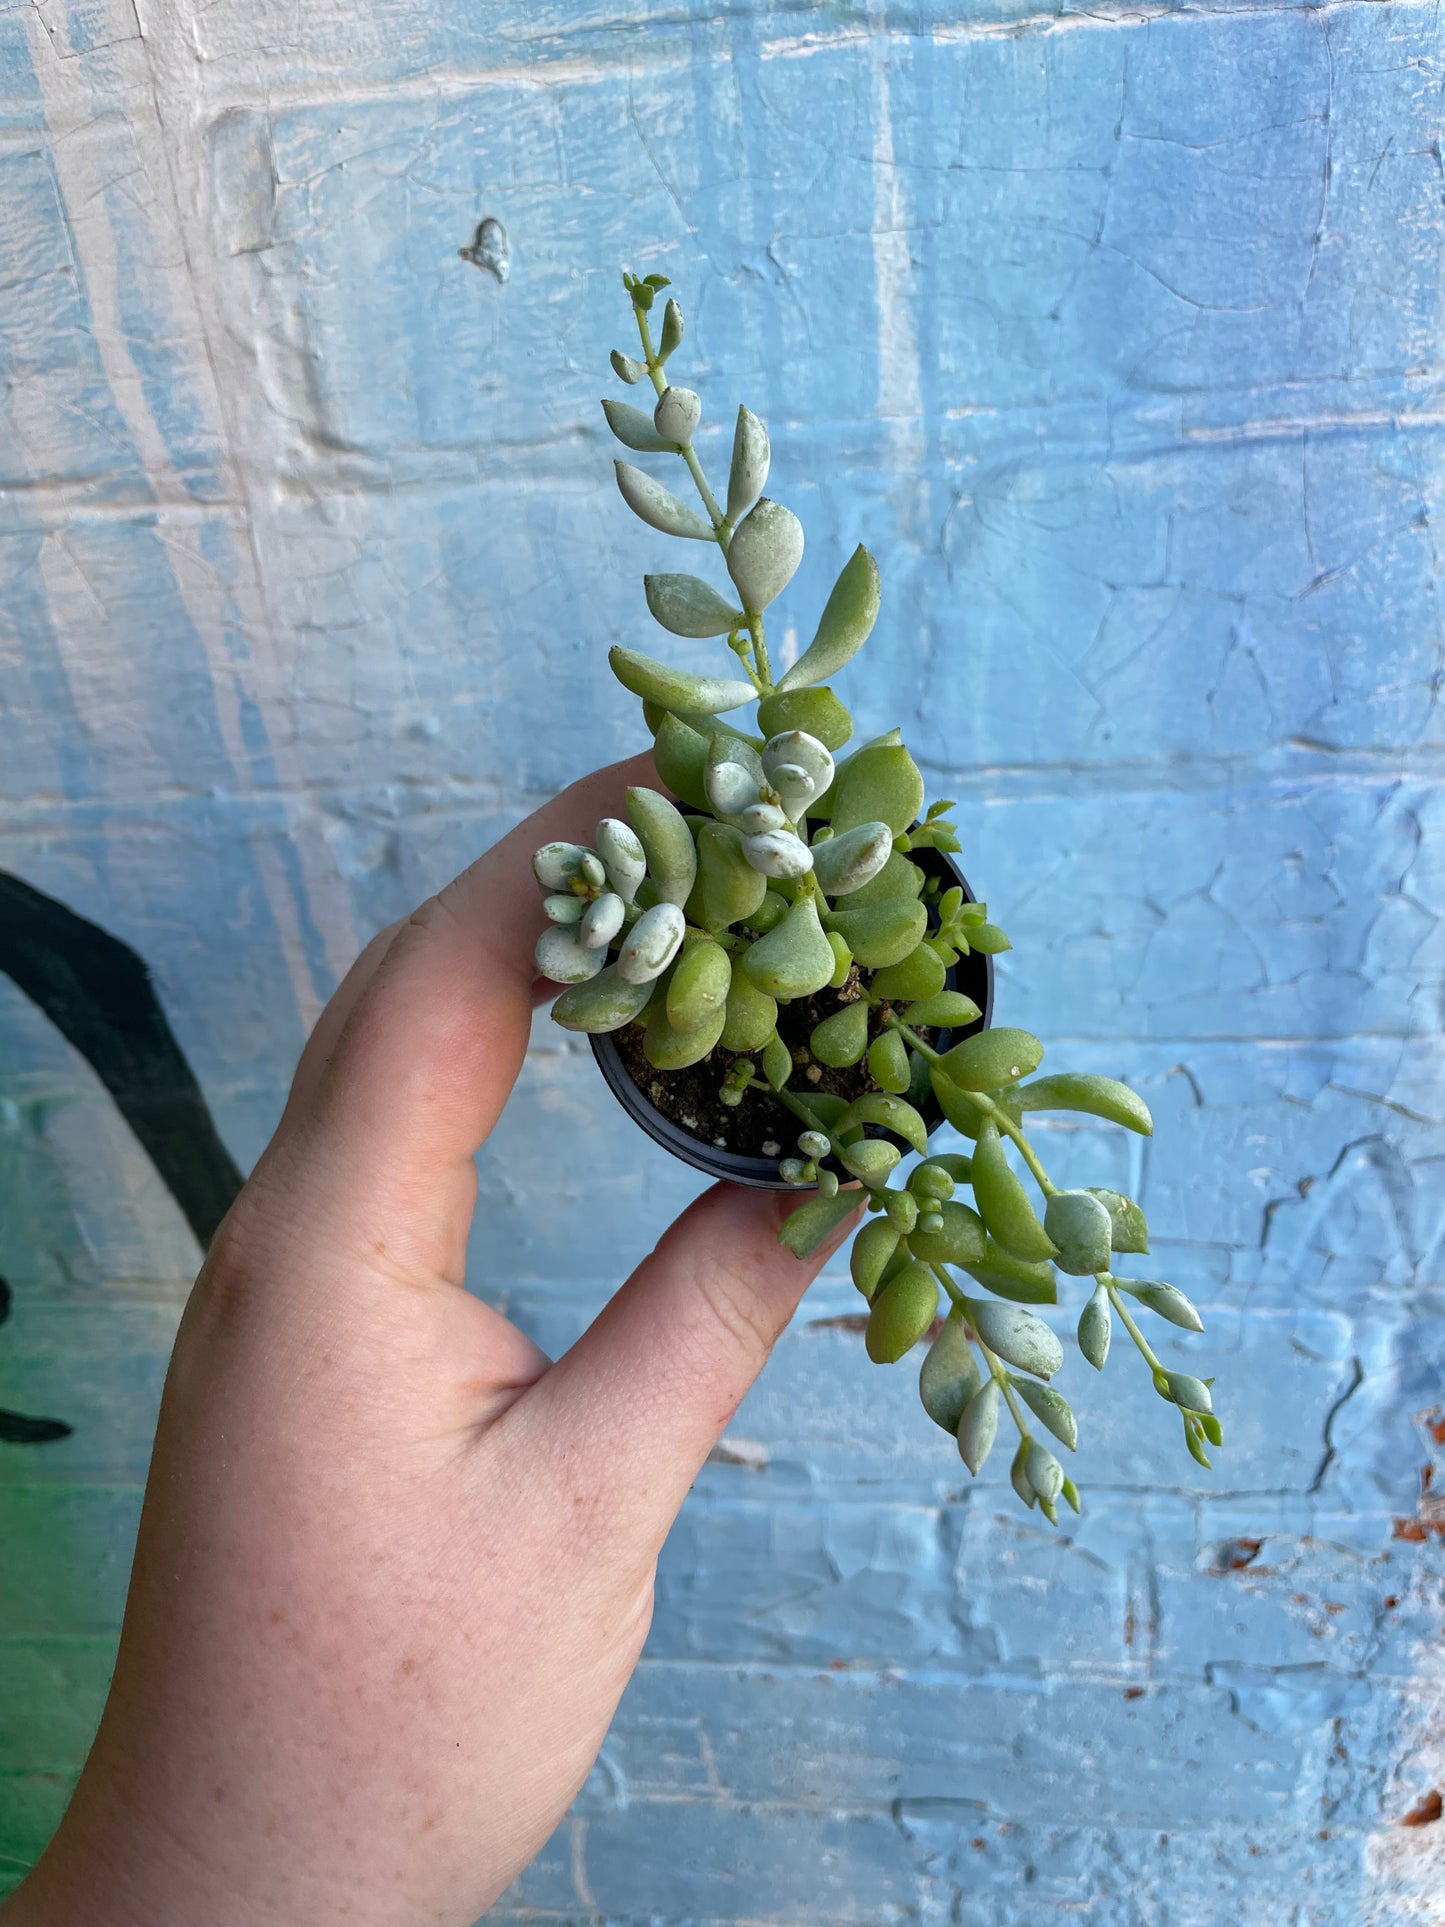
{"type": "Point", "coordinates": [791, 874]}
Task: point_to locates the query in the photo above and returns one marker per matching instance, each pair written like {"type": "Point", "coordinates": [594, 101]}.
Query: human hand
{"type": "Point", "coordinates": [394, 1566]}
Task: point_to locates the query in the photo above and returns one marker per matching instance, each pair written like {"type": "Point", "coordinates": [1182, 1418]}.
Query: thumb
{"type": "Point", "coordinates": [655, 1378]}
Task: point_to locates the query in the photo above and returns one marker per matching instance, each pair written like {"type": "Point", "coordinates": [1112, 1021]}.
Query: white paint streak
{"type": "Point", "coordinates": [89, 155]}
{"type": "Point", "coordinates": [900, 398]}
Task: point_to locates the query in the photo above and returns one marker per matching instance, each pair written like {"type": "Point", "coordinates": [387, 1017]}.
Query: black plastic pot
{"type": "Point", "coordinates": [973, 975]}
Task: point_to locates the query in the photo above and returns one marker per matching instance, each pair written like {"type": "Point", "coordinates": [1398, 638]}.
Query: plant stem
{"type": "Point", "coordinates": [760, 651]}
{"type": "Point", "coordinates": [949, 1286]}
{"type": "Point", "coordinates": [995, 1370]}
{"type": "Point", "coordinates": [722, 529]}
{"type": "Point", "coordinates": [1133, 1330]}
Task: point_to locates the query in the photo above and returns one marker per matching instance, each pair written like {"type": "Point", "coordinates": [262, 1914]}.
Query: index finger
{"type": "Point", "coordinates": [414, 1077]}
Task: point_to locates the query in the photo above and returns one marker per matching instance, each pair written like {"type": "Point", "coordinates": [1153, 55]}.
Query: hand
{"type": "Point", "coordinates": [395, 1567]}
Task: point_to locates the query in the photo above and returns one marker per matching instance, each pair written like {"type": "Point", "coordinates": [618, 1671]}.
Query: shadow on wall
{"type": "Point", "coordinates": [98, 994]}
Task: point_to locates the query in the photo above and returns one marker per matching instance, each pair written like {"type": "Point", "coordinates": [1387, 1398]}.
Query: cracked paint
{"type": "Point", "coordinates": [1115, 333]}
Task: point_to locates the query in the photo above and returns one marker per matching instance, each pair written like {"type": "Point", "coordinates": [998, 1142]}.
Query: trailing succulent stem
{"type": "Point", "coordinates": [788, 873]}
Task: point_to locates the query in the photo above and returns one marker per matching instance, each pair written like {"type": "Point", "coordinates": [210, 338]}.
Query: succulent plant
{"type": "Point", "coordinates": [789, 872]}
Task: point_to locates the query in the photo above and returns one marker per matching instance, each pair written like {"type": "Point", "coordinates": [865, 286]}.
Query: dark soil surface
{"type": "Point", "coordinates": [760, 1127]}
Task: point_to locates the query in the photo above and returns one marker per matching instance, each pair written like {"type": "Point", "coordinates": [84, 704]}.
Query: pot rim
{"type": "Point", "coordinates": [759, 1173]}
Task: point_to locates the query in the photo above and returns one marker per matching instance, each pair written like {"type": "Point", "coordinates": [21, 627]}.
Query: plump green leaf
{"type": "Point", "coordinates": [949, 1377]}
{"type": "Point", "coordinates": [991, 1059]}
{"type": "Point", "coordinates": [769, 913]}
{"type": "Point", "coordinates": [1051, 1408]}
{"type": "Point", "coordinates": [921, 974]}
{"type": "Point", "coordinates": [888, 1063]}
{"type": "Point", "coordinates": [766, 548]}
{"type": "Point", "coordinates": [676, 689]}
{"type": "Point", "coordinates": [662, 830]}
{"type": "Point", "coordinates": [844, 864]}
{"type": "Point", "coordinates": [668, 1048]}
{"type": "Point", "coordinates": [987, 938]}
{"type": "Point", "coordinates": [777, 1061]}
{"type": "Point", "coordinates": [676, 416]}
{"type": "Point", "coordinates": [818, 711]}
{"type": "Point", "coordinates": [1079, 1225]}
{"type": "Point", "coordinates": [901, 1314]}
{"type": "Point", "coordinates": [1186, 1391]}
{"type": "Point", "coordinates": [844, 626]}
{"type": "Point", "coordinates": [1019, 1339]}
{"type": "Point", "coordinates": [633, 428]}
{"type": "Point", "coordinates": [794, 959]}
{"type": "Point", "coordinates": [873, 1248]}
{"type": "Point", "coordinates": [1003, 1203]}
{"type": "Point", "coordinates": [842, 1038]}
{"type": "Point", "coordinates": [877, 783]}
{"type": "Point", "coordinates": [628, 369]}
{"type": "Point", "coordinates": [1165, 1300]}
{"type": "Point", "coordinates": [671, 336]}
{"type": "Point", "coordinates": [563, 958]}
{"type": "Point", "coordinates": [698, 987]}
{"type": "Point", "coordinates": [1095, 1328]}
{"type": "Point", "coordinates": [1016, 1279]}
{"type": "Point", "coordinates": [880, 933]}
{"type": "Point", "coordinates": [727, 889]}
{"type": "Point", "coordinates": [931, 1182]}
{"type": "Point", "coordinates": [812, 1222]}
{"type": "Point", "coordinates": [658, 506]}
{"type": "Point", "coordinates": [978, 1427]}
{"type": "Point", "coordinates": [947, 1010]}
{"type": "Point", "coordinates": [899, 881]}
{"type": "Point", "coordinates": [871, 1160]}
{"type": "Point", "coordinates": [1045, 1474]}
{"type": "Point", "coordinates": [1095, 1096]}
{"type": "Point", "coordinates": [955, 1105]}
{"type": "Point", "coordinates": [678, 755]}
{"type": "Point", "coordinates": [748, 474]}
{"type": "Point", "coordinates": [1129, 1228]}
{"type": "Point", "coordinates": [960, 1242]}
{"type": "Point", "coordinates": [688, 606]}
{"type": "Point", "coordinates": [890, 1113]}
{"type": "Point", "coordinates": [752, 1015]}
{"type": "Point", "coordinates": [605, 1003]}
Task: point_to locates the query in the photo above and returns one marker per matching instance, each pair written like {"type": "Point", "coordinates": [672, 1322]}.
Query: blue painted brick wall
{"type": "Point", "coordinates": [1116, 335]}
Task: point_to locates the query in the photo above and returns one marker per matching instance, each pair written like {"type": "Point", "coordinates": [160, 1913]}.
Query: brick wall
{"type": "Point", "coordinates": [1116, 336]}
